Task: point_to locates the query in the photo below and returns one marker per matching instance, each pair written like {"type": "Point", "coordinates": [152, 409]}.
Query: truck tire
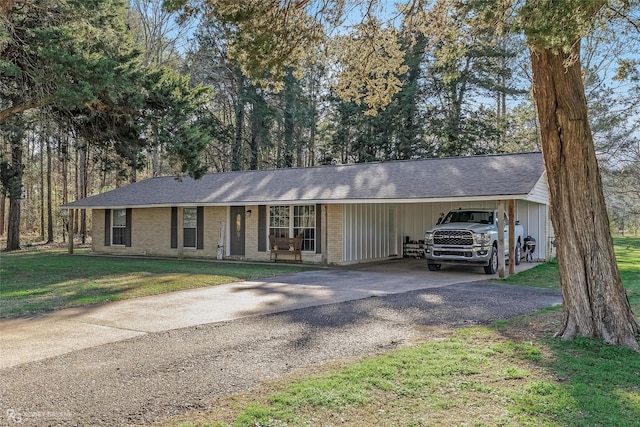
{"type": "Point", "coordinates": [518, 252]}
{"type": "Point", "coordinates": [493, 262]}
{"type": "Point", "coordinates": [433, 267]}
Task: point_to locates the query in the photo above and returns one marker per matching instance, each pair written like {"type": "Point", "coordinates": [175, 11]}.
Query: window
{"type": "Point", "coordinates": [192, 228]}
{"type": "Point", "coordinates": [303, 224]}
{"type": "Point", "coordinates": [279, 221]}
{"type": "Point", "coordinates": [118, 226]}
{"type": "Point", "coordinates": [190, 225]}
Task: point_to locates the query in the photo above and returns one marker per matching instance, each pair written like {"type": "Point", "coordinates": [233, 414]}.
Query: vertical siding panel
{"type": "Point", "coordinates": [384, 240]}
{"type": "Point", "coordinates": [378, 232]}
{"type": "Point", "coordinates": [360, 253]}
{"type": "Point", "coordinates": [363, 231]}
{"type": "Point", "coordinates": [358, 235]}
{"type": "Point", "coordinates": [346, 256]}
{"type": "Point", "coordinates": [370, 248]}
{"type": "Point", "coordinates": [346, 249]}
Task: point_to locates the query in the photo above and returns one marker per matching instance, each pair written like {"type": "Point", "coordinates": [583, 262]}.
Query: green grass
{"type": "Point", "coordinates": [475, 378]}
{"type": "Point", "coordinates": [541, 276]}
{"type": "Point", "coordinates": [628, 256]}
{"type": "Point", "coordinates": [627, 249]}
{"type": "Point", "coordinates": [482, 376]}
{"type": "Point", "coordinates": [34, 281]}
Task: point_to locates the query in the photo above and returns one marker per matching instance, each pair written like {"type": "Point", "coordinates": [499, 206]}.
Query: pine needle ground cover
{"type": "Point", "coordinates": [43, 280]}
{"type": "Point", "coordinates": [512, 373]}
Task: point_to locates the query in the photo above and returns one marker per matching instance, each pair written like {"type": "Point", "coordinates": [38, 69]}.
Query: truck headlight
{"type": "Point", "coordinates": [428, 238]}
{"type": "Point", "coordinates": [482, 238]}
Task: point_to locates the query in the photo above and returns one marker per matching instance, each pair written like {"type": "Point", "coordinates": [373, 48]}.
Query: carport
{"type": "Point", "coordinates": [382, 229]}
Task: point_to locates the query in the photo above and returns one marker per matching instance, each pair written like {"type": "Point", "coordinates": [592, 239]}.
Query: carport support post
{"type": "Point", "coordinates": [501, 226]}
{"type": "Point", "coordinates": [512, 236]}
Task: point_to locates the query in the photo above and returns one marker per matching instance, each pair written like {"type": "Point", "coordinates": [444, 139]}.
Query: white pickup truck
{"type": "Point", "coordinates": [469, 236]}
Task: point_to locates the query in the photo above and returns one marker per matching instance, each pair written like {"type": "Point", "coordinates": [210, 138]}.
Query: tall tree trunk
{"type": "Point", "coordinates": [594, 301]}
{"type": "Point", "coordinates": [42, 137]}
{"type": "Point", "coordinates": [133, 166]}
{"type": "Point", "coordinates": [236, 149]}
{"type": "Point", "coordinates": [49, 195]}
{"type": "Point", "coordinates": [13, 231]}
{"type": "Point", "coordinates": [14, 183]}
{"type": "Point", "coordinates": [311, 153]}
{"type": "Point", "coordinates": [3, 204]}
{"type": "Point", "coordinates": [74, 221]}
{"type": "Point", "coordinates": [253, 145]}
{"type": "Point", "coordinates": [289, 124]}
{"type": "Point", "coordinates": [64, 154]}
{"type": "Point", "coordinates": [155, 160]}
{"type": "Point", "coordinates": [84, 181]}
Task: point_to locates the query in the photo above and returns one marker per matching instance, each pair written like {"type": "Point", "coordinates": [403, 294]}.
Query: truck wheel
{"type": "Point", "coordinates": [433, 267]}
{"type": "Point", "coordinates": [493, 262]}
{"type": "Point", "coordinates": [518, 253]}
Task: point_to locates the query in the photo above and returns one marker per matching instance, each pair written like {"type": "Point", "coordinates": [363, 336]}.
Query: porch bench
{"type": "Point", "coordinates": [285, 245]}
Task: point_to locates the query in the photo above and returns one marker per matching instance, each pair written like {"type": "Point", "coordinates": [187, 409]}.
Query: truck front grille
{"type": "Point", "coordinates": [466, 254]}
{"type": "Point", "coordinates": [453, 237]}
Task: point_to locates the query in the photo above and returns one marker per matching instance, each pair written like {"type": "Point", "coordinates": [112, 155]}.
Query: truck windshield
{"type": "Point", "coordinates": [468, 216]}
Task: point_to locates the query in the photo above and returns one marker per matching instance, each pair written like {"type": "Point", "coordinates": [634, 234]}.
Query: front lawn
{"type": "Point", "coordinates": [627, 250]}
{"type": "Point", "coordinates": [43, 280]}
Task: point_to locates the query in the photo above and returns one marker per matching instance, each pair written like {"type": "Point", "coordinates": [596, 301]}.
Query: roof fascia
{"type": "Point", "coordinates": [315, 201]}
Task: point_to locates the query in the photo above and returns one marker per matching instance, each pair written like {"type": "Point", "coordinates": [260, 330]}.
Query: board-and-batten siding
{"type": "Point", "coordinates": [366, 232]}
{"type": "Point", "coordinates": [540, 191]}
{"type": "Point", "coordinates": [533, 217]}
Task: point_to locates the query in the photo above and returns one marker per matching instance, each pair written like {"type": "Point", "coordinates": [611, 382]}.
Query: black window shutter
{"type": "Point", "coordinates": [200, 227]}
{"type": "Point", "coordinates": [318, 229]}
{"type": "Point", "coordinates": [107, 227]}
{"type": "Point", "coordinates": [262, 228]}
{"type": "Point", "coordinates": [174, 227]}
{"type": "Point", "coordinates": [127, 228]}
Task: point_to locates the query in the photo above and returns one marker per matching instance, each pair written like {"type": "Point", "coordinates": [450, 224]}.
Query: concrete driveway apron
{"type": "Point", "coordinates": [31, 338]}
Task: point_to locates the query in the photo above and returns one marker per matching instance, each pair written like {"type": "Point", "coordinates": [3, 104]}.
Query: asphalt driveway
{"type": "Point", "coordinates": [138, 361]}
{"type": "Point", "coordinates": [32, 338]}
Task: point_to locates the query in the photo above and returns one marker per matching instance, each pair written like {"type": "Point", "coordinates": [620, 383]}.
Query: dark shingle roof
{"type": "Point", "coordinates": [452, 177]}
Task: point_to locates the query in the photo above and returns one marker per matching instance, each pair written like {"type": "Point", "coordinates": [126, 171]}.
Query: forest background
{"type": "Point", "coordinates": [121, 91]}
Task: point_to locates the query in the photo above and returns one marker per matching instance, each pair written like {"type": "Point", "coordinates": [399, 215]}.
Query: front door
{"type": "Point", "coordinates": [237, 231]}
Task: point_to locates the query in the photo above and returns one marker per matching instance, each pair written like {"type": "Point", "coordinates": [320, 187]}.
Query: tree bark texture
{"type": "Point", "coordinates": [14, 184]}
{"type": "Point", "coordinates": [42, 186]}
{"type": "Point", "coordinates": [236, 149]}
{"type": "Point", "coordinates": [3, 203]}
{"type": "Point", "coordinates": [49, 194]}
{"type": "Point", "coordinates": [594, 301]}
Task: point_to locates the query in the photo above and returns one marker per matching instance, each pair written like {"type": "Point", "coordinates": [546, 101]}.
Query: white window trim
{"type": "Point", "coordinates": [291, 227]}
{"type": "Point", "coordinates": [195, 240]}
{"type": "Point", "coordinates": [113, 215]}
